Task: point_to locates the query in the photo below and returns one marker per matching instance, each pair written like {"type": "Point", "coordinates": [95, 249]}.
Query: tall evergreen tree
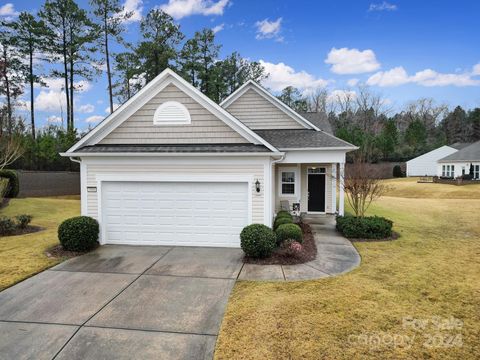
{"type": "Point", "coordinates": [30, 35]}
{"type": "Point", "coordinates": [456, 126]}
{"type": "Point", "coordinates": [474, 120]}
{"type": "Point", "coordinates": [70, 36]}
{"type": "Point", "coordinates": [13, 72]}
{"type": "Point", "coordinates": [127, 69]}
{"type": "Point", "coordinates": [292, 97]}
{"type": "Point", "coordinates": [208, 56]}
{"type": "Point", "coordinates": [158, 49]}
{"type": "Point", "coordinates": [189, 61]}
{"type": "Point", "coordinates": [110, 17]}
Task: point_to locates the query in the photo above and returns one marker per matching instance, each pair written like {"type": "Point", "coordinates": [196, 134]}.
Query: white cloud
{"type": "Point", "coordinates": [182, 8]}
{"type": "Point", "coordinates": [428, 77]}
{"type": "Point", "coordinates": [282, 75]}
{"type": "Point", "coordinates": [94, 118]}
{"type": "Point", "coordinates": [8, 10]}
{"type": "Point", "coordinates": [341, 96]}
{"type": "Point", "coordinates": [267, 29]}
{"type": "Point", "coordinates": [384, 6]}
{"type": "Point", "coordinates": [218, 28]}
{"type": "Point", "coordinates": [86, 109]}
{"type": "Point", "coordinates": [51, 100]}
{"type": "Point", "coordinates": [115, 107]}
{"type": "Point", "coordinates": [352, 82]}
{"type": "Point", "coordinates": [53, 119]}
{"type": "Point", "coordinates": [57, 84]}
{"type": "Point", "coordinates": [352, 61]}
{"type": "Point", "coordinates": [135, 7]}
{"type": "Point", "coordinates": [476, 70]}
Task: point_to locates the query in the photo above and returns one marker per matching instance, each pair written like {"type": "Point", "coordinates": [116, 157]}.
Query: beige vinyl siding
{"type": "Point", "coordinates": [302, 197]}
{"type": "Point", "coordinates": [205, 128]}
{"type": "Point", "coordinates": [258, 113]}
{"type": "Point", "coordinates": [256, 171]}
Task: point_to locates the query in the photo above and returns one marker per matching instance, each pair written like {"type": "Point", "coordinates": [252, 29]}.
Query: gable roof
{"type": "Point", "coordinates": [468, 153]}
{"type": "Point", "coordinates": [250, 84]}
{"type": "Point", "coordinates": [320, 120]}
{"type": "Point", "coordinates": [304, 139]}
{"type": "Point", "coordinates": [165, 78]}
{"type": "Point", "coordinates": [459, 145]}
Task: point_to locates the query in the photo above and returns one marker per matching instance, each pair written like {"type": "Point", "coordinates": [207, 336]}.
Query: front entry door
{"type": "Point", "coordinates": [316, 190]}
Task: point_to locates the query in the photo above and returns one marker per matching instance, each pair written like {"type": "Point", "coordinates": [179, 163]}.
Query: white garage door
{"type": "Point", "coordinates": [169, 213]}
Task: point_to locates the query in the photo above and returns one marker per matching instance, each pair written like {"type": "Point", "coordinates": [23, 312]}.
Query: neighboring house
{"type": "Point", "coordinates": [460, 162]}
{"type": "Point", "coordinates": [171, 167]}
{"type": "Point", "coordinates": [426, 164]}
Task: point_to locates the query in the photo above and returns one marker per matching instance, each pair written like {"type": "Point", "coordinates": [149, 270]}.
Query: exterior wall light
{"type": "Point", "coordinates": [257, 186]}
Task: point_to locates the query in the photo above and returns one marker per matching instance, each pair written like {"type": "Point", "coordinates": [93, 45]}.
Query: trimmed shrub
{"type": "Point", "coordinates": [397, 171]}
{"type": "Point", "coordinates": [257, 240]}
{"type": "Point", "coordinates": [289, 232]}
{"type": "Point", "coordinates": [79, 233]}
{"type": "Point", "coordinates": [7, 225]}
{"type": "Point", "coordinates": [282, 220]}
{"type": "Point", "coordinates": [371, 227]}
{"type": "Point", "coordinates": [13, 183]}
{"type": "Point", "coordinates": [23, 220]}
{"type": "Point", "coordinates": [283, 213]}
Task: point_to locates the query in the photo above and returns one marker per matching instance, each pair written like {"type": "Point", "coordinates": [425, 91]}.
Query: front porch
{"type": "Point", "coordinates": [309, 188]}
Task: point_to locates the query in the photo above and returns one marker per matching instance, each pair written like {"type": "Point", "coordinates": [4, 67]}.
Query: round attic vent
{"type": "Point", "coordinates": [171, 113]}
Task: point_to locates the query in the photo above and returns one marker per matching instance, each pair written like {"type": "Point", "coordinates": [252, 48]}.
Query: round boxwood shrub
{"type": "Point", "coordinates": [282, 220]}
{"type": "Point", "coordinates": [13, 183]}
{"type": "Point", "coordinates": [284, 213]}
{"type": "Point", "coordinates": [369, 227]}
{"type": "Point", "coordinates": [78, 233]}
{"type": "Point", "coordinates": [289, 232]}
{"type": "Point", "coordinates": [257, 240]}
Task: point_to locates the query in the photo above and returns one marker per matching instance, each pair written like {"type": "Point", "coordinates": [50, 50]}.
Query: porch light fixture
{"type": "Point", "coordinates": [257, 186]}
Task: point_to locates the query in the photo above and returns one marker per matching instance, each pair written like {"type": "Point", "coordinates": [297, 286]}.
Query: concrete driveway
{"type": "Point", "coordinates": [121, 302]}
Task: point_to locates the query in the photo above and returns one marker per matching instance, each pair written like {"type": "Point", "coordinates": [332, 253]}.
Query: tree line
{"type": "Point", "coordinates": [78, 45]}
{"type": "Point", "coordinates": [365, 118]}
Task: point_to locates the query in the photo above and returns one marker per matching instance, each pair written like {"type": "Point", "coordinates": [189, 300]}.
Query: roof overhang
{"type": "Point", "coordinates": [167, 154]}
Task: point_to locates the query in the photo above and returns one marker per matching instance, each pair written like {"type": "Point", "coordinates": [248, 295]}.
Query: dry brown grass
{"type": "Point", "coordinates": [433, 269]}
{"type": "Point", "coordinates": [22, 256]}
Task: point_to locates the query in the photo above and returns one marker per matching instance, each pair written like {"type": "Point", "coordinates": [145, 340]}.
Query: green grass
{"type": "Point", "coordinates": [433, 269]}
{"type": "Point", "coordinates": [24, 255]}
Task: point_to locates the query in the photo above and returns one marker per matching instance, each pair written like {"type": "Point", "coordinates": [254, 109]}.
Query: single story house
{"type": "Point", "coordinates": [426, 164]}
{"type": "Point", "coordinates": [172, 167]}
{"type": "Point", "coordinates": [460, 162]}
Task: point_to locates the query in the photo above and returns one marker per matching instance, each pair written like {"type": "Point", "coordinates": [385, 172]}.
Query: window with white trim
{"type": "Point", "coordinates": [171, 113]}
{"type": "Point", "coordinates": [476, 172]}
{"type": "Point", "coordinates": [448, 171]}
{"type": "Point", "coordinates": [287, 183]}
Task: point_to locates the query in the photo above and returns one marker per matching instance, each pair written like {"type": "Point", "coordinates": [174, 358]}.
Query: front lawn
{"type": "Point", "coordinates": [24, 255]}
{"type": "Point", "coordinates": [431, 273]}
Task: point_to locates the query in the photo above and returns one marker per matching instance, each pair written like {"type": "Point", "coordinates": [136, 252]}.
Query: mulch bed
{"type": "Point", "coordinates": [394, 236]}
{"type": "Point", "coordinates": [58, 252]}
{"type": "Point", "coordinates": [280, 257]}
{"type": "Point", "coordinates": [28, 230]}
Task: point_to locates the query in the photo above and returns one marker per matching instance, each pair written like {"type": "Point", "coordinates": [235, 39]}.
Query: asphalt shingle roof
{"type": "Point", "coordinates": [459, 145]}
{"type": "Point", "coordinates": [469, 153]}
{"type": "Point", "coordinates": [318, 119]}
{"type": "Point", "coordinates": [301, 138]}
{"type": "Point", "coordinates": [194, 148]}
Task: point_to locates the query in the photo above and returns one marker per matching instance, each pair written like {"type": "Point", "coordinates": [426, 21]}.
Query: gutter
{"type": "Point", "coordinates": [172, 154]}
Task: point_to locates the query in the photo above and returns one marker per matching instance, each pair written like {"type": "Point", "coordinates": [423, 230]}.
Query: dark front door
{"type": "Point", "coordinates": [316, 192]}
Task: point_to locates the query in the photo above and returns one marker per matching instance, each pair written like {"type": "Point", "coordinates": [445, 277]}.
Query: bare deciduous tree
{"type": "Point", "coordinates": [362, 185]}
{"type": "Point", "coordinates": [10, 150]}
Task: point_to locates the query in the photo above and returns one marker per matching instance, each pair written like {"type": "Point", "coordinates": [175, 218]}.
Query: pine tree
{"type": "Point", "coordinates": [110, 16]}
{"type": "Point", "coordinates": [208, 55]}
{"type": "Point", "coordinates": [30, 36]}
{"type": "Point", "coordinates": [13, 72]}
{"type": "Point", "coordinates": [158, 49]}
{"type": "Point", "coordinates": [127, 69]}
{"type": "Point", "coordinates": [292, 97]}
{"type": "Point", "coordinates": [189, 61]}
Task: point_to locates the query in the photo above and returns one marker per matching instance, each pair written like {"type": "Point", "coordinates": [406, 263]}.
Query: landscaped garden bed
{"type": "Point", "coordinates": [288, 243]}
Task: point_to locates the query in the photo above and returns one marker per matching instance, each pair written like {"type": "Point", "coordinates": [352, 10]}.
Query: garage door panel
{"type": "Point", "coordinates": [167, 213]}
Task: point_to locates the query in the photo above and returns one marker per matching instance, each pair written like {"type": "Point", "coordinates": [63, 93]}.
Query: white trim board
{"type": "Point", "coordinates": [164, 79]}
{"type": "Point", "coordinates": [269, 97]}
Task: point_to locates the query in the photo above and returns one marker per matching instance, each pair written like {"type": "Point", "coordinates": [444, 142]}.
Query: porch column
{"type": "Point", "coordinates": [334, 188]}
{"type": "Point", "coordinates": [341, 197]}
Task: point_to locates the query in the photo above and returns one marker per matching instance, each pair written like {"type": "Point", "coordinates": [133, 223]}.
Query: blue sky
{"type": "Point", "coordinates": [402, 49]}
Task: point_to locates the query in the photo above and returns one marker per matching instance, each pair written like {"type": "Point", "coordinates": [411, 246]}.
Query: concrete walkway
{"type": "Point", "coordinates": [335, 255]}
{"type": "Point", "coordinates": [144, 302]}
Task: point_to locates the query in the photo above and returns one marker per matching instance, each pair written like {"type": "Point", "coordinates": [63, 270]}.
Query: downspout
{"type": "Point", "coordinates": [272, 169]}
